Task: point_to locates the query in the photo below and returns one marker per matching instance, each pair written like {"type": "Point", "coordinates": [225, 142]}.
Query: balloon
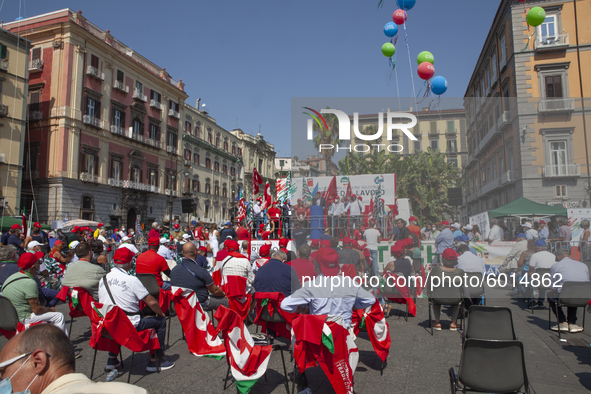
{"type": "Point", "coordinates": [399, 17]}
{"type": "Point", "coordinates": [388, 49]}
{"type": "Point", "coordinates": [536, 16]}
{"type": "Point", "coordinates": [438, 85]}
{"type": "Point", "coordinates": [425, 56]}
{"type": "Point", "coordinates": [426, 70]}
{"type": "Point", "coordinates": [406, 4]}
{"type": "Point", "coordinates": [390, 29]}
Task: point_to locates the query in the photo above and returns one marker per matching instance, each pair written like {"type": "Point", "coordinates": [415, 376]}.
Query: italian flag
{"type": "Point", "coordinates": [199, 330]}
{"type": "Point", "coordinates": [247, 361]}
{"type": "Point", "coordinates": [378, 330]}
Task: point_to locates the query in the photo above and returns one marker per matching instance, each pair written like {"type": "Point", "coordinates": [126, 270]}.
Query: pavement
{"type": "Point", "coordinates": [418, 362]}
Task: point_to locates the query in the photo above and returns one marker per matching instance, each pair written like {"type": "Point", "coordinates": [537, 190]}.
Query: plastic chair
{"type": "Point", "coordinates": [151, 284]}
{"type": "Point", "coordinates": [490, 323]}
{"type": "Point", "coordinates": [573, 294]}
{"type": "Point", "coordinates": [476, 291]}
{"type": "Point", "coordinates": [444, 295]}
{"type": "Point", "coordinates": [8, 318]}
{"type": "Point", "coordinates": [490, 367]}
{"type": "Point", "coordinates": [391, 291]}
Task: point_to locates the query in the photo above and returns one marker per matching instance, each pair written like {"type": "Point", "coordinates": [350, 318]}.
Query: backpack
{"type": "Point", "coordinates": [415, 239]}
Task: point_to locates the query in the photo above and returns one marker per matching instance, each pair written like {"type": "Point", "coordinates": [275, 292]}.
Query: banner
{"type": "Point", "coordinates": [494, 254]}
{"type": "Point", "coordinates": [575, 216]}
{"type": "Point", "coordinates": [364, 186]}
{"type": "Point", "coordinates": [481, 220]}
{"type": "Point", "coordinates": [255, 245]}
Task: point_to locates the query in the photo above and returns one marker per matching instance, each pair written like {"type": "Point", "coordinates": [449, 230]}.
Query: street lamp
{"type": "Point", "coordinates": [173, 176]}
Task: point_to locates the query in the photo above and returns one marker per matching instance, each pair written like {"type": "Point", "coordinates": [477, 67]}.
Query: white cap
{"type": "Point", "coordinates": [527, 224]}
{"type": "Point", "coordinates": [163, 241]}
{"type": "Point", "coordinates": [32, 244]}
{"type": "Point", "coordinates": [186, 236]}
{"type": "Point", "coordinates": [73, 244]}
{"type": "Point", "coordinates": [457, 225]}
{"type": "Point", "coordinates": [125, 238]}
{"type": "Point", "coordinates": [468, 227]}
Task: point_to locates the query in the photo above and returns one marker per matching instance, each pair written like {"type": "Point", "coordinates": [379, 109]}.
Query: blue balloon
{"type": "Point", "coordinates": [438, 85]}
{"type": "Point", "coordinates": [406, 4]}
{"type": "Point", "coordinates": [391, 29]}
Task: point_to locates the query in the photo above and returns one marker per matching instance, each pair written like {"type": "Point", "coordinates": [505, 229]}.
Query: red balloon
{"type": "Point", "coordinates": [426, 70]}
{"type": "Point", "coordinates": [399, 17]}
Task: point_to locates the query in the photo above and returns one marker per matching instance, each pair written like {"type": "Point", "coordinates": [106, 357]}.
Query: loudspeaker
{"type": "Point", "coordinates": [187, 204]}
{"type": "Point", "coordinates": [454, 196]}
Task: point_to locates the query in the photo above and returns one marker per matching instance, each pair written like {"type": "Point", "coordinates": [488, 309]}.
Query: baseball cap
{"type": "Point", "coordinates": [39, 255]}
{"type": "Point", "coordinates": [27, 260]}
{"type": "Point", "coordinates": [15, 226]}
{"type": "Point", "coordinates": [540, 242]}
{"type": "Point", "coordinates": [457, 226]}
{"type": "Point", "coordinates": [541, 222]}
{"type": "Point", "coordinates": [37, 224]}
{"type": "Point", "coordinates": [203, 249]}
{"type": "Point", "coordinates": [75, 229]}
{"type": "Point", "coordinates": [329, 261]}
{"type": "Point", "coordinates": [231, 245]}
{"type": "Point", "coordinates": [283, 242]}
{"type": "Point", "coordinates": [176, 225]}
{"type": "Point", "coordinates": [449, 254]}
{"type": "Point", "coordinates": [125, 238]}
{"type": "Point", "coordinates": [122, 256]}
{"type": "Point", "coordinates": [354, 243]}
{"type": "Point", "coordinates": [162, 240]}
{"type": "Point", "coordinates": [521, 235]}
{"type": "Point", "coordinates": [468, 227]}
{"type": "Point", "coordinates": [396, 250]}
{"type": "Point", "coordinates": [100, 224]}
{"type": "Point", "coordinates": [353, 195]}
{"type": "Point", "coordinates": [527, 224]}
{"type": "Point", "coordinates": [315, 244]}
{"type": "Point", "coordinates": [153, 241]}
{"type": "Point", "coordinates": [228, 223]}
{"type": "Point", "coordinates": [346, 241]}
{"type": "Point", "coordinates": [413, 218]}
{"type": "Point", "coordinates": [32, 244]}
{"type": "Point", "coordinates": [264, 250]}
{"type": "Point", "coordinates": [186, 236]}
{"type": "Point", "coordinates": [73, 244]}
{"type": "Point", "coordinates": [444, 223]}
{"type": "Point", "coordinates": [116, 230]}
{"type": "Point", "coordinates": [325, 243]}
{"type": "Point", "coordinates": [58, 242]}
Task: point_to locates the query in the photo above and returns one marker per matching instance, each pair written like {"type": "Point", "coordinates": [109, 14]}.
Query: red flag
{"type": "Point", "coordinates": [256, 181]}
{"type": "Point", "coordinates": [332, 189]}
{"type": "Point", "coordinates": [404, 292]}
{"type": "Point", "coordinates": [267, 197]}
{"type": "Point", "coordinates": [368, 213]}
{"type": "Point", "coordinates": [24, 224]}
{"type": "Point", "coordinates": [241, 211]}
{"type": "Point", "coordinates": [349, 193]}
{"type": "Point", "coordinates": [378, 329]}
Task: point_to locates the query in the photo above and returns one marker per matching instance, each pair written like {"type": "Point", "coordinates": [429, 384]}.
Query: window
{"type": "Point", "coordinates": [118, 118]}
{"type": "Point", "coordinates": [240, 152]}
{"type": "Point", "coordinates": [206, 208]}
{"type": "Point", "coordinates": [260, 165]}
{"type": "Point", "coordinates": [558, 157]}
{"type": "Point", "coordinates": [226, 146]}
{"type": "Point", "coordinates": [452, 145]}
{"type": "Point", "coordinates": [216, 166]}
{"type": "Point", "coordinates": [501, 164]}
{"type": "Point", "coordinates": [153, 177]}
{"type": "Point", "coordinates": [93, 107]}
{"type": "Point", "coordinates": [233, 148]}
{"type": "Point", "coordinates": [434, 144]}
{"type": "Point", "coordinates": [187, 154]}
{"type": "Point", "coordinates": [433, 127]}
{"type": "Point", "coordinates": [120, 76]}
{"type": "Point", "coordinates": [87, 208]}
{"type": "Point", "coordinates": [173, 105]}
{"type": "Point", "coordinates": [154, 132]}
{"type": "Point", "coordinates": [217, 141]}
{"type": "Point", "coordinates": [510, 159]}
{"type": "Point", "coordinates": [207, 188]}
{"type": "Point", "coordinates": [138, 129]}
{"type": "Point", "coordinates": [493, 61]}
{"type": "Point", "coordinates": [208, 163]}
{"type": "Point", "coordinates": [232, 171]}
{"type": "Point", "coordinates": [209, 136]}
{"type": "Point", "coordinates": [171, 138]}
{"type": "Point", "coordinates": [196, 186]}
{"type": "Point", "coordinates": [488, 76]}
{"type": "Point", "coordinates": [170, 182]}
{"type": "Point", "coordinates": [451, 129]}
{"type": "Point", "coordinates": [216, 190]}
{"type": "Point", "coordinates": [89, 162]}
{"type": "Point", "coordinates": [560, 191]}
{"type": "Point", "coordinates": [224, 191]}
{"type": "Point", "coordinates": [493, 168]}
{"type": "Point", "coordinates": [187, 185]}
{"type": "Point", "coordinates": [553, 85]}
{"type": "Point", "coordinates": [154, 95]}
{"type": "Point", "coordinates": [453, 161]}
{"type": "Point", "coordinates": [225, 169]}
{"type": "Point", "coordinates": [417, 146]}
{"type": "Point", "coordinates": [36, 54]}
{"type": "Point", "coordinates": [548, 29]}
{"type": "Point", "coordinates": [503, 50]}
{"type": "Point", "coordinates": [188, 127]}
{"type": "Point", "coordinates": [135, 175]}
{"type": "Point", "coordinates": [198, 129]}
{"type": "Point", "coordinates": [3, 51]}
{"type": "Point", "coordinates": [196, 158]}
{"type": "Point", "coordinates": [34, 98]}
{"type": "Point", "coordinates": [139, 87]}
{"type": "Point", "coordinates": [115, 169]}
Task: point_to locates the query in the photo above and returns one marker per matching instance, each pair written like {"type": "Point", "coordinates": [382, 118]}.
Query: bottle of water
{"type": "Point", "coordinates": [112, 375]}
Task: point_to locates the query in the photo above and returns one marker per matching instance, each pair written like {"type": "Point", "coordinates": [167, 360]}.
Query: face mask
{"type": "Point", "coordinates": [6, 386]}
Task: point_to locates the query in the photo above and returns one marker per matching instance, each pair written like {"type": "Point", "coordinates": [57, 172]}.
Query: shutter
{"type": "Point", "coordinates": [34, 103]}
{"type": "Point", "coordinates": [119, 75]}
{"type": "Point", "coordinates": [94, 61]}
{"type": "Point", "coordinates": [97, 109]}
{"type": "Point", "coordinates": [36, 54]}
{"type": "Point", "coordinates": [3, 51]}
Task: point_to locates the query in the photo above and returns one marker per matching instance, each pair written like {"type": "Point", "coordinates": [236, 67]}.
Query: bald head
{"type": "Point", "coordinates": [189, 250]}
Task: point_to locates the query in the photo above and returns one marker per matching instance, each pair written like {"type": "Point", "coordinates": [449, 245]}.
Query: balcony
{"type": "Point", "coordinates": [551, 43]}
{"type": "Point", "coordinates": [36, 65]}
{"type": "Point", "coordinates": [87, 177]}
{"type": "Point", "coordinates": [118, 130]}
{"type": "Point", "coordinates": [4, 64]}
{"type": "Point", "coordinates": [154, 189]}
{"type": "Point", "coordinates": [92, 121]}
{"type": "Point", "coordinates": [504, 120]}
{"type": "Point", "coordinates": [507, 177]}
{"type": "Point", "coordinates": [30, 175]}
{"type": "Point", "coordinates": [120, 86]}
{"type": "Point", "coordinates": [174, 114]}
{"type": "Point", "coordinates": [36, 115]}
{"type": "Point", "coordinates": [153, 142]}
{"type": "Point", "coordinates": [172, 149]}
{"type": "Point", "coordinates": [489, 137]}
{"type": "Point", "coordinates": [95, 73]}
{"type": "Point", "coordinates": [188, 163]}
{"type": "Point", "coordinates": [556, 105]}
{"type": "Point", "coordinates": [490, 186]}
{"type": "Point", "coordinates": [3, 111]}
{"type": "Point", "coordinates": [174, 192]}
{"type": "Point", "coordinates": [115, 182]}
{"type": "Point", "coordinates": [156, 104]}
{"type": "Point", "coordinates": [127, 184]}
{"type": "Point", "coordinates": [562, 171]}
{"type": "Point", "coordinates": [139, 96]}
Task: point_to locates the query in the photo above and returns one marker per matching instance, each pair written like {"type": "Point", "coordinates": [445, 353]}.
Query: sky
{"type": "Point", "coordinates": [247, 59]}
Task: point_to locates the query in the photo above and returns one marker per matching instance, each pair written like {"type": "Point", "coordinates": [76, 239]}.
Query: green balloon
{"type": "Point", "coordinates": [388, 49]}
{"type": "Point", "coordinates": [425, 56]}
{"type": "Point", "coordinates": [536, 16]}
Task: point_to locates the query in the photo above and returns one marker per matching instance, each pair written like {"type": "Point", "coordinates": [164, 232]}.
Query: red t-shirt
{"type": "Point", "coordinates": [300, 211]}
{"type": "Point", "coordinates": [274, 213]}
{"type": "Point", "coordinates": [303, 267]}
{"type": "Point", "coordinates": [151, 262]}
{"type": "Point", "coordinates": [200, 234]}
{"type": "Point", "coordinates": [222, 254]}
{"type": "Point", "coordinates": [154, 233]}
{"type": "Point", "coordinates": [242, 234]}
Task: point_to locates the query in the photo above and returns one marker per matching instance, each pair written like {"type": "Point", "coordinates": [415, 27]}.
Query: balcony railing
{"type": "Point", "coordinates": [115, 182]}
{"type": "Point", "coordinates": [127, 184]}
{"type": "Point", "coordinates": [118, 130]}
{"type": "Point", "coordinates": [86, 177]}
{"type": "Point", "coordinates": [3, 111]}
{"type": "Point", "coordinates": [121, 86]}
{"type": "Point", "coordinates": [172, 149]}
{"type": "Point", "coordinates": [490, 186]}
{"type": "Point", "coordinates": [174, 114]}
{"type": "Point", "coordinates": [551, 43]}
{"type": "Point", "coordinates": [564, 170]}
{"type": "Point", "coordinates": [94, 72]}
{"type": "Point", "coordinates": [36, 65]}
{"type": "Point", "coordinates": [490, 136]}
{"type": "Point", "coordinates": [156, 104]}
{"type": "Point", "coordinates": [36, 115]}
{"type": "Point", "coordinates": [507, 177]}
{"type": "Point", "coordinates": [4, 64]}
{"type": "Point", "coordinates": [92, 121]}
{"type": "Point", "coordinates": [556, 105]}
{"type": "Point", "coordinates": [188, 163]}
{"type": "Point", "coordinates": [139, 96]}
{"type": "Point", "coordinates": [174, 192]}
{"type": "Point", "coordinates": [153, 142]}
{"type": "Point", "coordinates": [504, 120]}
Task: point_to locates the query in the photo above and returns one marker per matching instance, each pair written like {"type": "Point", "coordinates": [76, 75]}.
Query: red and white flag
{"type": "Point", "coordinates": [267, 197]}
{"type": "Point", "coordinates": [241, 210]}
{"type": "Point", "coordinates": [378, 329]}
{"type": "Point", "coordinates": [247, 361]}
{"type": "Point", "coordinates": [198, 329]}
{"type": "Point", "coordinates": [256, 181]}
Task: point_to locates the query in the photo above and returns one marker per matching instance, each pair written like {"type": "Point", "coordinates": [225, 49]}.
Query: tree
{"type": "Point", "coordinates": [328, 136]}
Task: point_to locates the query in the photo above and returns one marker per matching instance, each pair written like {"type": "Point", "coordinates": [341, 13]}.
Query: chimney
{"type": "Point", "coordinates": [197, 103]}
{"type": "Point", "coordinates": [425, 109]}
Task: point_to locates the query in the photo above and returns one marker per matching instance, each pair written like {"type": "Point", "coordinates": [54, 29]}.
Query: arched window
{"type": "Point", "coordinates": [217, 140]}
{"type": "Point", "coordinates": [232, 171]}
{"type": "Point", "coordinates": [233, 148]}
{"type": "Point", "coordinates": [225, 169]}
{"type": "Point", "coordinates": [196, 158]}
{"type": "Point", "coordinates": [226, 145]}
{"type": "Point", "coordinates": [209, 136]}
{"type": "Point", "coordinates": [217, 190]}
{"type": "Point", "coordinates": [216, 166]}
{"type": "Point", "coordinates": [198, 129]}
{"type": "Point", "coordinates": [224, 190]}
{"type": "Point", "coordinates": [207, 187]}
{"type": "Point", "coordinates": [208, 163]}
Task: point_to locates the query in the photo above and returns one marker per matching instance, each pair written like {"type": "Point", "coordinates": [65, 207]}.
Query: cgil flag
{"type": "Point", "coordinates": [247, 361]}
{"type": "Point", "coordinates": [306, 195]}
{"type": "Point", "coordinates": [267, 197]}
{"type": "Point", "coordinates": [256, 181]}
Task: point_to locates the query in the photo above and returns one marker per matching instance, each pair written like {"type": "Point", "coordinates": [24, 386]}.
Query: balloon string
{"type": "Point", "coordinates": [528, 41]}
{"type": "Point", "coordinates": [397, 86]}
{"type": "Point", "coordinates": [409, 60]}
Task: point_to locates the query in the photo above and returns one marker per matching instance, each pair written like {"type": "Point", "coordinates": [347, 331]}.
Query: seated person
{"type": "Point", "coordinates": [49, 356]}
{"type": "Point", "coordinates": [190, 275]}
{"type": "Point", "coordinates": [468, 261]}
{"type": "Point", "coordinates": [302, 265]}
{"type": "Point", "coordinates": [150, 262]}
{"type": "Point", "coordinates": [126, 243]}
{"type": "Point", "coordinates": [448, 269]}
{"type": "Point", "coordinates": [264, 252]}
{"type": "Point", "coordinates": [200, 258]}
{"type": "Point", "coordinates": [349, 256]}
{"type": "Point", "coordinates": [8, 259]}
{"type": "Point", "coordinates": [400, 263]}
{"type": "Point", "coordinates": [236, 264]}
{"type": "Point", "coordinates": [276, 276]}
{"type": "Point", "coordinates": [22, 290]}
{"type": "Point", "coordinates": [164, 251]}
{"type": "Point", "coordinates": [121, 289]}
{"type": "Point", "coordinates": [82, 273]}
{"type": "Point", "coordinates": [324, 297]}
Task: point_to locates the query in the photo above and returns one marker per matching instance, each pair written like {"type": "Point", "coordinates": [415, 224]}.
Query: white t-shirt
{"type": "Point", "coordinates": [496, 234]}
{"type": "Point", "coordinates": [130, 247]}
{"type": "Point", "coordinates": [542, 259]}
{"type": "Point", "coordinates": [372, 236]}
{"type": "Point", "coordinates": [469, 262]}
{"type": "Point", "coordinates": [165, 252]}
{"type": "Point", "coordinates": [127, 292]}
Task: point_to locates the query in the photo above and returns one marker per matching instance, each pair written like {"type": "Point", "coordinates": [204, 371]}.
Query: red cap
{"type": "Point", "coordinates": [412, 218]}
{"type": "Point", "coordinates": [27, 260]}
{"type": "Point", "coordinates": [541, 222]}
{"type": "Point", "coordinates": [75, 229]}
{"type": "Point", "coordinates": [366, 253]}
{"type": "Point", "coordinates": [329, 261]}
{"type": "Point", "coordinates": [283, 242]}
{"type": "Point", "coordinates": [203, 249]}
{"type": "Point", "coordinates": [354, 243]}
{"type": "Point", "coordinates": [266, 234]}
{"type": "Point", "coordinates": [396, 250]}
{"type": "Point", "coordinates": [261, 226]}
{"type": "Point", "coordinates": [275, 202]}
{"type": "Point", "coordinates": [176, 225]}
{"type": "Point", "coordinates": [100, 224]}
{"type": "Point", "coordinates": [450, 254]}
{"type": "Point", "coordinates": [37, 224]}
{"type": "Point", "coordinates": [39, 255]}
{"type": "Point", "coordinates": [58, 242]}
{"type": "Point", "coordinates": [116, 230]}
{"type": "Point", "coordinates": [325, 243]}
{"type": "Point", "coordinates": [15, 226]}
{"type": "Point", "coordinates": [265, 250]}
{"type": "Point", "coordinates": [232, 245]}
{"type": "Point", "coordinates": [122, 256]}
{"type": "Point", "coordinates": [346, 241]}
{"type": "Point", "coordinates": [315, 244]}
{"type": "Point", "coordinates": [353, 195]}
{"type": "Point", "coordinates": [444, 223]}
{"type": "Point", "coordinates": [360, 198]}
{"type": "Point", "coordinates": [153, 241]}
